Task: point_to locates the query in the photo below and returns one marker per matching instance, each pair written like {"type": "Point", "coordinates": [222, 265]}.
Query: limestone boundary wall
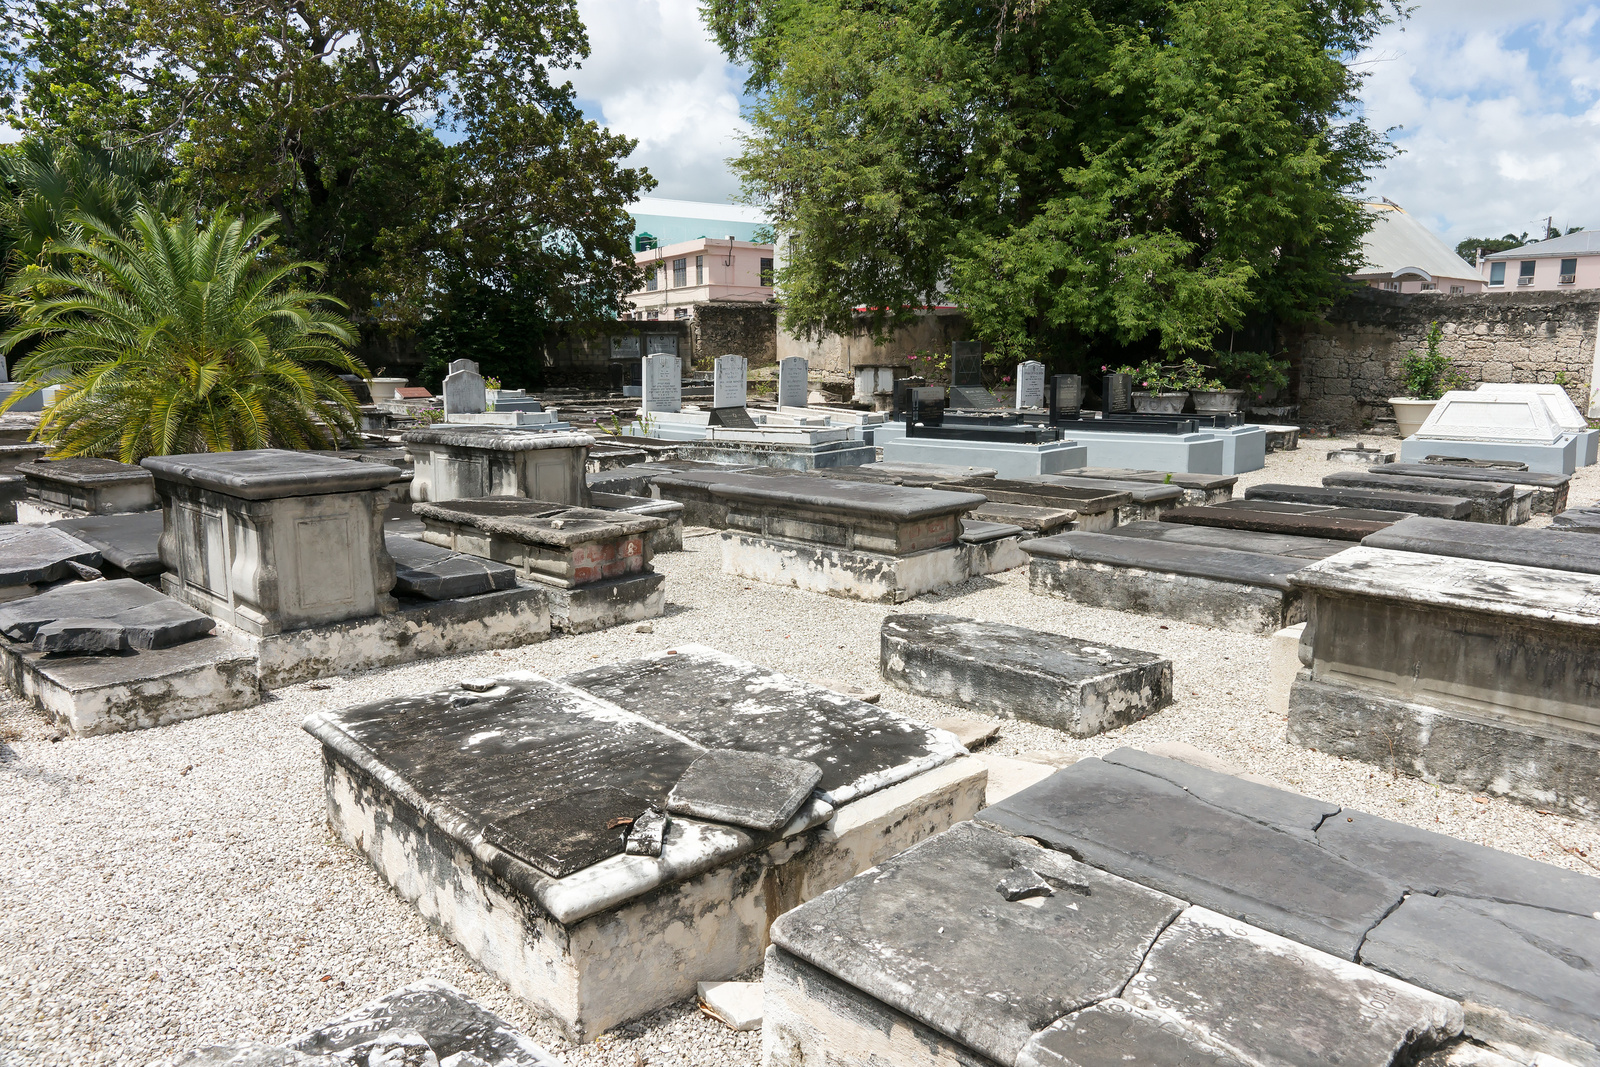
{"type": "Point", "coordinates": [1348, 364]}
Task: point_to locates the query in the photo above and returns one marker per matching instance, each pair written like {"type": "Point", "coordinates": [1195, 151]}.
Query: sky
{"type": "Point", "coordinates": [1497, 104]}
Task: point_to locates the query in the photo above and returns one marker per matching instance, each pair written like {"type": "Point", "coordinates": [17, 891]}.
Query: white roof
{"type": "Point", "coordinates": [1397, 244]}
{"type": "Point", "coordinates": [1582, 243]}
{"type": "Point", "coordinates": [696, 209]}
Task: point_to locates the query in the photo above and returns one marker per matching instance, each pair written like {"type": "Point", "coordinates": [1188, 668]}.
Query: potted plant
{"type": "Point", "coordinates": [1425, 378]}
{"type": "Point", "coordinates": [383, 388]}
{"type": "Point", "coordinates": [1162, 391]}
{"type": "Point", "coordinates": [1256, 376]}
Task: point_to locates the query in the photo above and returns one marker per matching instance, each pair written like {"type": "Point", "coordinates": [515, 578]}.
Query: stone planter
{"type": "Point", "coordinates": [1409, 414]}
{"type": "Point", "coordinates": [1159, 403]}
{"type": "Point", "coordinates": [1217, 402]}
{"type": "Point", "coordinates": [383, 388]}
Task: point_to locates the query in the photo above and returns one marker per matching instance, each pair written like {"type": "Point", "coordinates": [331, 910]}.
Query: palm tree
{"type": "Point", "coordinates": [166, 338]}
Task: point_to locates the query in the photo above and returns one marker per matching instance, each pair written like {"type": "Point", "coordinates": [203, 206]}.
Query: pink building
{"type": "Point", "coordinates": [700, 271]}
{"type": "Point", "coordinates": [1570, 262]}
{"type": "Point", "coordinates": [1402, 255]}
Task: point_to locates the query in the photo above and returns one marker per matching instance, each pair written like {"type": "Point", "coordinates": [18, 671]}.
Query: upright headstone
{"type": "Point", "coordinates": [663, 384]}
{"type": "Point", "coordinates": [792, 388]}
{"type": "Point", "coordinates": [1118, 394]}
{"type": "Point", "coordinates": [1066, 396]}
{"type": "Point", "coordinates": [728, 381]}
{"type": "Point", "coordinates": [1030, 384]}
{"type": "Point", "coordinates": [464, 393]}
{"type": "Point", "coordinates": [625, 346]}
{"type": "Point", "coordinates": [966, 365]}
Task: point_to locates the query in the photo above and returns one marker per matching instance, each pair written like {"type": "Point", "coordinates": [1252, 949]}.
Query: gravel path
{"type": "Point", "coordinates": [172, 888]}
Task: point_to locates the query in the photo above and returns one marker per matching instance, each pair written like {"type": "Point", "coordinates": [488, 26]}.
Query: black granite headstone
{"type": "Point", "coordinates": [966, 365]}
{"type": "Point", "coordinates": [1118, 389]}
{"type": "Point", "coordinates": [733, 418]}
{"type": "Point", "coordinates": [1066, 396]}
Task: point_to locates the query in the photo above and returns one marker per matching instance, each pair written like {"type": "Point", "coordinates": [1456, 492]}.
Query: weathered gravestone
{"type": "Point", "coordinates": [460, 462]}
{"type": "Point", "coordinates": [1030, 384]}
{"type": "Point", "coordinates": [464, 392]}
{"type": "Point", "coordinates": [729, 381]}
{"type": "Point", "coordinates": [793, 387]}
{"type": "Point", "coordinates": [505, 809]}
{"type": "Point", "coordinates": [663, 384]}
{"type": "Point", "coordinates": [83, 485]}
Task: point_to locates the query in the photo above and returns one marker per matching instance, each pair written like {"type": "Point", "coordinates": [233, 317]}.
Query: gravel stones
{"type": "Point", "coordinates": [744, 788]}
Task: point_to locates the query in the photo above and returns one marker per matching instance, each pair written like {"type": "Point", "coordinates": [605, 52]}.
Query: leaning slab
{"type": "Point", "coordinates": [133, 614]}
{"type": "Point", "coordinates": [31, 556]}
{"type": "Point", "coordinates": [1429, 504]}
{"type": "Point", "coordinates": [1552, 549]}
{"type": "Point", "coordinates": [1077, 686]}
{"type": "Point", "coordinates": [1247, 592]}
{"type": "Point", "coordinates": [72, 488]}
{"type": "Point", "coordinates": [500, 809]}
{"type": "Point", "coordinates": [594, 564]}
{"type": "Point", "coordinates": [129, 545]}
{"type": "Point", "coordinates": [1459, 670]}
{"type": "Point", "coordinates": [434, 573]}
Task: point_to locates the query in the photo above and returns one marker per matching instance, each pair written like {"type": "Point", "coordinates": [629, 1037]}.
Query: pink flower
{"type": "Point", "coordinates": [1104, 368]}
{"type": "Point", "coordinates": [912, 358]}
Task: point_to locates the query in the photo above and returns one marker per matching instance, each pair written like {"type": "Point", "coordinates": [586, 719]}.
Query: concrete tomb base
{"type": "Point", "coordinates": [1453, 669]}
{"type": "Point", "coordinates": [458, 463]}
{"type": "Point", "coordinates": [1558, 457]}
{"type": "Point", "coordinates": [1201, 452]}
{"type": "Point", "coordinates": [1243, 591]}
{"type": "Point", "coordinates": [1007, 459]}
{"type": "Point", "coordinates": [505, 810]}
{"type": "Point", "coordinates": [993, 547]}
{"type": "Point", "coordinates": [774, 451]}
{"type": "Point", "coordinates": [978, 948]}
{"type": "Point", "coordinates": [667, 539]}
{"type": "Point", "coordinates": [72, 488]}
{"type": "Point", "coordinates": [1076, 686]}
{"type": "Point", "coordinates": [869, 576]}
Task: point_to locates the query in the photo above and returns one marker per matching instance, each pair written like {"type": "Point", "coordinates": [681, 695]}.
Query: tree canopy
{"type": "Point", "coordinates": [406, 144]}
{"type": "Point", "coordinates": [1074, 173]}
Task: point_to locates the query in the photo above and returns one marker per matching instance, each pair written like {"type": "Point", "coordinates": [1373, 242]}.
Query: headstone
{"type": "Point", "coordinates": [733, 418]}
{"type": "Point", "coordinates": [1030, 384]}
{"type": "Point", "coordinates": [663, 384]}
{"type": "Point", "coordinates": [966, 365]}
{"type": "Point", "coordinates": [1118, 398]}
{"type": "Point", "coordinates": [792, 387]}
{"type": "Point", "coordinates": [661, 344]}
{"type": "Point", "coordinates": [728, 381]}
{"type": "Point", "coordinates": [1066, 396]}
{"type": "Point", "coordinates": [625, 346]}
{"type": "Point", "coordinates": [464, 392]}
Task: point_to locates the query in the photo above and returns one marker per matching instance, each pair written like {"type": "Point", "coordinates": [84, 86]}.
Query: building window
{"type": "Point", "coordinates": [1525, 271]}
{"type": "Point", "coordinates": [653, 316]}
{"type": "Point", "coordinates": [766, 272]}
{"type": "Point", "coordinates": [680, 313]}
{"type": "Point", "coordinates": [1458, 290]}
{"type": "Point", "coordinates": [650, 279]}
{"type": "Point", "coordinates": [1393, 287]}
{"type": "Point", "coordinates": [1497, 274]}
{"type": "Point", "coordinates": [1428, 287]}
{"type": "Point", "coordinates": [680, 273]}
{"type": "Point", "coordinates": [1569, 271]}
{"type": "Point", "coordinates": [699, 270]}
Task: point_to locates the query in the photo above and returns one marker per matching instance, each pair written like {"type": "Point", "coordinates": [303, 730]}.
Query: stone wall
{"type": "Point", "coordinates": [738, 327]}
{"type": "Point", "coordinates": [933, 331]}
{"type": "Point", "coordinates": [581, 355]}
{"type": "Point", "coordinates": [1348, 365]}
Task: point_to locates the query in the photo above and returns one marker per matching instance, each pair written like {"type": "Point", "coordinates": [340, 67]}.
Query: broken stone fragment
{"type": "Point", "coordinates": [647, 834]}
{"type": "Point", "coordinates": [1024, 882]}
{"type": "Point", "coordinates": [81, 635]}
{"type": "Point", "coordinates": [396, 1048]}
{"type": "Point", "coordinates": [751, 789]}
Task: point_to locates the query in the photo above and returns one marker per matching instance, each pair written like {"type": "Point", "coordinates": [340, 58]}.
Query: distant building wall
{"type": "Point", "coordinates": [933, 331]}
{"type": "Point", "coordinates": [743, 329]}
{"type": "Point", "coordinates": [581, 355]}
{"type": "Point", "coordinates": [1349, 363]}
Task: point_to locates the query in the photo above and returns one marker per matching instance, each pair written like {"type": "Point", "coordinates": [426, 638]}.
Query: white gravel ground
{"type": "Point", "coordinates": [173, 888]}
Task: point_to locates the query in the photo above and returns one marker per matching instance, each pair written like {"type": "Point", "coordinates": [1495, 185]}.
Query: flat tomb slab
{"type": "Point", "coordinates": [1550, 490]}
{"type": "Point", "coordinates": [1269, 544]}
{"type": "Point", "coordinates": [92, 617]}
{"type": "Point", "coordinates": [130, 543]}
{"type": "Point", "coordinates": [271, 473]}
{"type": "Point", "coordinates": [1241, 591]}
{"type": "Point", "coordinates": [1038, 521]}
{"type": "Point", "coordinates": [501, 809]}
{"type": "Point", "coordinates": [929, 961]}
{"type": "Point", "coordinates": [434, 573]}
{"type": "Point", "coordinates": [1042, 493]}
{"type": "Point", "coordinates": [1553, 548]}
{"type": "Point", "coordinates": [842, 571]}
{"type": "Point", "coordinates": [88, 486]}
{"type": "Point", "coordinates": [36, 555]}
{"type": "Point", "coordinates": [1431, 505]}
{"type": "Point", "coordinates": [1078, 686]}
{"type": "Point", "coordinates": [556, 544]}
{"type": "Point", "coordinates": [1332, 523]}
{"type": "Point", "coordinates": [90, 695]}
{"type": "Point", "coordinates": [1492, 502]}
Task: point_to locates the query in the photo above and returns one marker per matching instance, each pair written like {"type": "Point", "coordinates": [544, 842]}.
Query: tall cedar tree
{"type": "Point", "coordinates": [406, 144]}
{"type": "Point", "coordinates": [1074, 173]}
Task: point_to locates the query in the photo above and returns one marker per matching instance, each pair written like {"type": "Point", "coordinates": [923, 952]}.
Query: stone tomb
{"type": "Point", "coordinates": [458, 463]}
{"type": "Point", "coordinates": [1433, 505]}
{"type": "Point", "coordinates": [1080, 687]}
{"type": "Point", "coordinates": [1279, 517]}
{"type": "Point", "coordinates": [73, 488]}
{"type": "Point", "coordinates": [426, 1019]}
{"type": "Point", "coordinates": [1471, 425]}
{"type": "Point", "coordinates": [1561, 408]}
{"type": "Point", "coordinates": [858, 540]}
{"type": "Point", "coordinates": [1496, 503]}
{"type": "Point", "coordinates": [1549, 490]}
{"type": "Point", "coordinates": [594, 565]}
{"type": "Point", "coordinates": [103, 657]}
{"type": "Point", "coordinates": [1472, 672]}
{"type": "Point", "coordinates": [1235, 589]}
{"type": "Point", "coordinates": [522, 817]}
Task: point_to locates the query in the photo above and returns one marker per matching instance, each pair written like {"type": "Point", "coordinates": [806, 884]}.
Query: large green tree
{"type": "Point", "coordinates": [401, 142]}
{"type": "Point", "coordinates": [1075, 173]}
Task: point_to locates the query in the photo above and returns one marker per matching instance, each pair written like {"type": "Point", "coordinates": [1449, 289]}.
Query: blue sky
{"type": "Point", "coordinates": [1498, 103]}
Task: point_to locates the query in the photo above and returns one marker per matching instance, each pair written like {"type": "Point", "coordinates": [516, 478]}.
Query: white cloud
{"type": "Point", "coordinates": [658, 77]}
{"type": "Point", "coordinates": [1500, 109]}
